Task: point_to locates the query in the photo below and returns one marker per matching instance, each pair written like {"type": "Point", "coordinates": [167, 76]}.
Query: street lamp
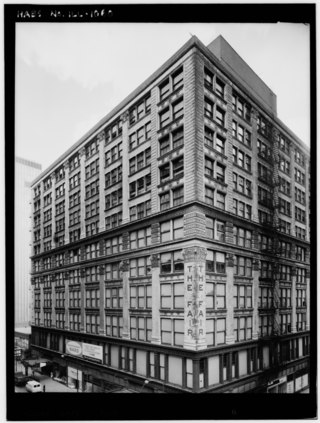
{"type": "Point", "coordinates": [144, 384]}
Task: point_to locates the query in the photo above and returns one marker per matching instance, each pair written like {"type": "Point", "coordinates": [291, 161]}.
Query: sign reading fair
{"type": "Point", "coordinates": [81, 349]}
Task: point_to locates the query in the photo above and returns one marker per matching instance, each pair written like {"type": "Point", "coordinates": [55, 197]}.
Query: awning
{"type": "Point", "coordinates": [39, 362]}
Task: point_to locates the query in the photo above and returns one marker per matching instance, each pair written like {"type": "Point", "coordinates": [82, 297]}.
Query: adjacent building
{"type": "Point", "coordinates": [25, 172]}
{"type": "Point", "coordinates": [171, 242]}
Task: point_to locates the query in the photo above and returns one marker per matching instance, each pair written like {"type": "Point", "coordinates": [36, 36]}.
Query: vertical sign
{"type": "Point", "coordinates": [195, 304]}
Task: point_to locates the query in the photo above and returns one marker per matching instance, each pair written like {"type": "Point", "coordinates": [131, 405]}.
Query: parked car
{"type": "Point", "coordinates": [33, 386]}
{"type": "Point", "coordinates": [20, 379]}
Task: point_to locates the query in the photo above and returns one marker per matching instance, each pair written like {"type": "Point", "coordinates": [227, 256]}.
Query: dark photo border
{"type": "Point", "coordinates": [23, 407]}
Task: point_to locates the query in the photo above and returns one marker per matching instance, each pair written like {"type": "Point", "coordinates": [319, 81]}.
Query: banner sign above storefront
{"type": "Point", "coordinates": [93, 352]}
{"type": "Point", "coordinates": [81, 349]}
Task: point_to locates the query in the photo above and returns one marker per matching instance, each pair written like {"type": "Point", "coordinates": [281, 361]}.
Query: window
{"type": "Point", "coordinates": [265, 197]}
{"type": "Point", "coordinates": [214, 141]}
{"type": "Point", "coordinates": [171, 229]}
{"type": "Point", "coordinates": [114, 297]}
{"type": "Point", "coordinates": [177, 110]}
{"type": "Point", "coordinates": [264, 126]}
{"type": "Point", "coordinates": [47, 183]}
{"type": "Point", "coordinates": [241, 159]}
{"type": "Point", "coordinates": [300, 196]}
{"type": "Point", "coordinates": [114, 199]}
{"type": "Point", "coordinates": [75, 298]}
{"type": "Point", "coordinates": [140, 210]}
{"type": "Point", "coordinates": [240, 106]}
{"type": "Point", "coordinates": [285, 297]}
{"type": "Point", "coordinates": [140, 238]}
{"type": "Point", "coordinates": [301, 321]}
{"type": "Point", "coordinates": [242, 296]}
{"type": "Point", "coordinates": [140, 109]}
{"type": "Point", "coordinates": [74, 162]}
{"type": "Point", "coordinates": [300, 232]}
{"type": "Point", "coordinates": [265, 297]}
{"type": "Point", "coordinates": [74, 321]}
{"type": "Point", "coordinates": [284, 186]}
{"type": "Point", "coordinates": [113, 131]}
{"type": "Point", "coordinates": [92, 189]}
{"type": "Point", "coordinates": [214, 112]}
{"type": "Point", "coordinates": [113, 177]}
{"type": "Point", "coordinates": [300, 253]}
{"type": "Point", "coordinates": [284, 207]}
{"type": "Point", "coordinates": [301, 298]}
{"type": "Point", "coordinates": [141, 328]}
{"type": "Point", "coordinates": [140, 136]}
{"type": "Point", "coordinates": [215, 295]}
{"type": "Point", "coordinates": [92, 228]}
{"type": "Point", "coordinates": [215, 262]}
{"type": "Point", "coordinates": [241, 134]}
{"type": "Point", "coordinates": [264, 174]}
{"type": "Point", "coordinates": [112, 271]}
{"type": "Point", "coordinates": [92, 148]}
{"type": "Point", "coordinates": [172, 295]}
{"type": "Point", "coordinates": [140, 296]}
{"type": "Point", "coordinates": [74, 199]}
{"type": "Point", "coordinates": [243, 266]}
{"type": "Point", "coordinates": [284, 165]}
{"type": "Point", "coordinates": [92, 323]}
{"type": "Point", "coordinates": [299, 157]}
{"type": "Point", "coordinates": [172, 332]}
{"type": "Point", "coordinates": [92, 298]}
{"type": "Point", "coordinates": [284, 144]}
{"type": "Point", "coordinates": [140, 161]}
{"type": "Point", "coordinates": [209, 195]}
{"type": "Point", "coordinates": [242, 185]}
{"type": "Point", "coordinates": [265, 325]}
{"type": "Point", "coordinates": [114, 220]}
{"type": "Point", "coordinates": [92, 251]}
{"type": "Point", "coordinates": [242, 237]}
{"type": "Point", "coordinates": [242, 328]}
{"type": "Point", "coordinates": [215, 229]}
{"type": "Point", "coordinates": [92, 274]}
{"type": "Point", "coordinates": [214, 83]}
{"type": "Point", "coordinates": [60, 191]}
{"type": "Point", "coordinates": [113, 245]}
{"type": "Point", "coordinates": [264, 150]}
{"type": "Point", "coordinates": [242, 209]}
{"type": "Point", "coordinates": [284, 226]}
{"type": "Point", "coordinates": [114, 325]}
{"type": "Point", "coordinates": [171, 262]}
{"type": "Point", "coordinates": [140, 267]}
{"type": "Point", "coordinates": [285, 272]}
{"type": "Point", "coordinates": [59, 174]}
{"type": "Point", "coordinates": [177, 196]}
{"type": "Point", "coordinates": [300, 215]}
{"type": "Point", "coordinates": [285, 323]}
{"type": "Point", "coordinates": [171, 84]}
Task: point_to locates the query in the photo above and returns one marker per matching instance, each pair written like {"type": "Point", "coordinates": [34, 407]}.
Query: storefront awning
{"type": "Point", "coordinates": [38, 362]}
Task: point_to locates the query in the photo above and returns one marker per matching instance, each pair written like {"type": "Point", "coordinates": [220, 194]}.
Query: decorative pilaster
{"type": "Point", "coordinates": [41, 302]}
{"type": "Point", "coordinates": [155, 233]}
{"type": "Point", "coordinates": [124, 268]}
{"type": "Point", "coordinates": [66, 301]}
{"type": "Point", "coordinates": [294, 299]}
{"type": "Point", "coordinates": [229, 299]}
{"type": "Point", "coordinates": [82, 194]}
{"type": "Point", "coordinates": [53, 297]}
{"type": "Point", "coordinates": [102, 328]}
{"type": "Point", "coordinates": [155, 275]}
{"type": "Point", "coordinates": [255, 293]}
{"type": "Point", "coordinates": [276, 299]}
{"type": "Point", "coordinates": [229, 232]}
{"type": "Point", "coordinates": [254, 164]}
{"type": "Point", "coordinates": [53, 209]}
{"type": "Point", "coordinates": [308, 299]}
{"type": "Point", "coordinates": [125, 168]}
{"type": "Point", "coordinates": [83, 299]}
{"type": "Point", "coordinates": [195, 298]}
{"type": "Point", "coordinates": [66, 203]}
{"type": "Point", "coordinates": [102, 223]}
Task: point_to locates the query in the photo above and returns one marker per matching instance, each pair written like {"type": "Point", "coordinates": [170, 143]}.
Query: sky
{"type": "Point", "coordinates": [70, 75]}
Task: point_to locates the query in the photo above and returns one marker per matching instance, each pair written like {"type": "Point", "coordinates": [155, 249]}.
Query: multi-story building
{"type": "Point", "coordinates": [25, 172]}
{"type": "Point", "coordinates": [171, 243]}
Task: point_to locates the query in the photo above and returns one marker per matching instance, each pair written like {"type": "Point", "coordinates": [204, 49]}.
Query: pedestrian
{"type": "Point", "coordinates": [44, 388]}
{"type": "Point", "coordinates": [51, 375]}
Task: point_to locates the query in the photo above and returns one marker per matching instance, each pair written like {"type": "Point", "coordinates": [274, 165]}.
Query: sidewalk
{"type": "Point", "coordinates": [50, 384]}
